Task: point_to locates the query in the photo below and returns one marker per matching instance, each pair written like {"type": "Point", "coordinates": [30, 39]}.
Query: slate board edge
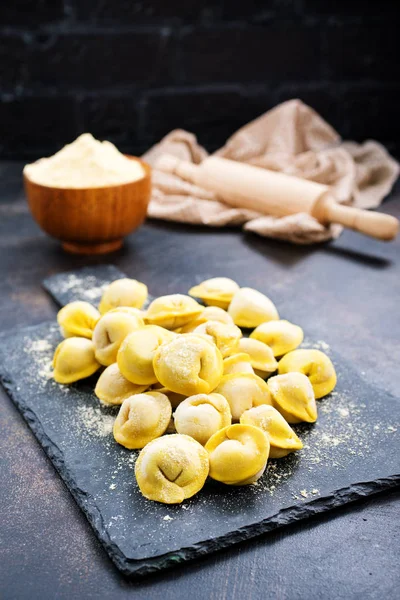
{"type": "Point", "coordinates": [140, 568]}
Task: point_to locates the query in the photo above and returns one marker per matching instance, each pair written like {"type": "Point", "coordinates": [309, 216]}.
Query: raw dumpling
{"type": "Point", "coordinates": [136, 353]}
{"type": "Point", "coordinates": [171, 469]}
{"type": "Point", "coordinates": [210, 313]}
{"type": "Point", "coordinates": [110, 332]}
{"type": "Point", "coordinates": [78, 319]}
{"type": "Point", "coordinates": [112, 387]}
{"type": "Point", "coordinates": [250, 308]}
{"type": "Point", "coordinates": [225, 337]}
{"type": "Point", "coordinates": [238, 454]}
{"type": "Point", "coordinates": [293, 396]}
{"type": "Point", "coordinates": [261, 356]}
{"type": "Point", "coordinates": [142, 418]}
{"type": "Point", "coordinates": [123, 292]}
{"type": "Point", "coordinates": [243, 390]}
{"type": "Point", "coordinates": [281, 336]}
{"type": "Point", "coordinates": [237, 363]}
{"type": "Point", "coordinates": [189, 364]}
{"type": "Point", "coordinates": [315, 364]}
{"type": "Point", "coordinates": [217, 291]}
{"type": "Point", "coordinates": [281, 436]}
{"type": "Point", "coordinates": [172, 311]}
{"type": "Point", "coordinates": [202, 415]}
{"type": "Point", "coordinates": [74, 359]}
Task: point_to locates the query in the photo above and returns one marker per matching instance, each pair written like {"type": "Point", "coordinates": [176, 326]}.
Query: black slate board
{"type": "Point", "coordinates": [352, 451]}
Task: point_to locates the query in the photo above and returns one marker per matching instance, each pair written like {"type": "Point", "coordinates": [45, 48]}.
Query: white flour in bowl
{"type": "Point", "coordinates": [86, 163]}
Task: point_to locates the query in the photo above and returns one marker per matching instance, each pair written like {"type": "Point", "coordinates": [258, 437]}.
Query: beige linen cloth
{"type": "Point", "coordinates": [291, 138]}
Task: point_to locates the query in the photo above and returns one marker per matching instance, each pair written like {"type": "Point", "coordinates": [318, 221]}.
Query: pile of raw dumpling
{"type": "Point", "coordinates": [184, 369]}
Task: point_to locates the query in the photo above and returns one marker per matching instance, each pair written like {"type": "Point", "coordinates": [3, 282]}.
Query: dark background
{"type": "Point", "coordinates": [131, 71]}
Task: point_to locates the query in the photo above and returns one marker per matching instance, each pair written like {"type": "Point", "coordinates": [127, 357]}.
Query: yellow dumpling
{"type": "Point", "coordinates": [281, 336]}
{"type": "Point", "coordinates": [315, 364]}
{"type": "Point", "coordinates": [238, 454]}
{"type": "Point", "coordinates": [282, 438]}
{"type": "Point", "coordinates": [243, 390]}
{"type": "Point", "coordinates": [136, 353]}
{"type": "Point", "coordinates": [293, 396]}
{"type": "Point", "coordinates": [142, 418]}
{"type": "Point", "coordinates": [237, 363]}
{"type": "Point", "coordinates": [110, 332]}
{"type": "Point", "coordinates": [250, 308]}
{"type": "Point", "coordinates": [210, 313]}
{"type": "Point", "coordinates": [112, 387]}
{"type": "Point", "coordinates": [261, 356]}
{"type": "Point", "coordinates": [225, 337]}
{"type": "Point", "coordinates": [172, 311]}
{"type": "Point", "coordinates": [172, 468]}
{"type": "Point", "coordinates": [217, 291]}
{"type": "Point", "coordinates": [123, 292]}
{"type": "Point", "coordinates": [78, 319]}
{"type": "Point", "coordinates": [74, 359]}
{"type": "Point", "coordinates": [189, 364]}
{"type": "Point", "coordinates": [202, 415]}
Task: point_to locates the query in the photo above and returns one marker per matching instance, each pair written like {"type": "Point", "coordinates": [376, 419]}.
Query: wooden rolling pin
{"type": "Point", "coordinates": [277, 194]}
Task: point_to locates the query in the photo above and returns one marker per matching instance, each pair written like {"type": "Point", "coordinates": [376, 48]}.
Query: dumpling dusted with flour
{"type": "Point", "coordinates": [172, 311]}
{"type": "Point", "coordinates": [243, 390]}
{"type": "Point", "coordinates": [202, 415]}
{"type": "Point", "coordinates": [250, 308]}
{"type": "Point", "coordinates": [210, 313]}
{"type": "Point", "coordinates": [238, 363]}
{"type": "Point", "coordinates": [136, 353]}
{"type": "Point", "coordinates": [282, 438]}
{"type": "Point", "coordinates": [189, 364]}
{"type": "Point", "coordinates": [293, 396]}
{"type": "Point", "coordinates": [238, 454]}
{"type": "Point", "coordinates": [261, 356]}
{"type": "Point", "coordinates": [281, 336]}
{"type": "Point", "coordinates": [112, 387]}
{"type": "Point", "coordinates": [217, 291]}
{"type": "Point", "coordinates": [171, 469]}
{"type": "Point", "coordinates": [225, 336]}
{"type": "Point", "coordinates": [110, 332]}
{"type": "Point", "coordinates": [123, 292]}
{"type": "Point", "coordinates": [78, 319]}
{"type": "Point", "coordinates": [142, 418]}
{"type": "Point", "coordinates": [315, 364]}
{"type": "Point", "coordinates": [74, 359]}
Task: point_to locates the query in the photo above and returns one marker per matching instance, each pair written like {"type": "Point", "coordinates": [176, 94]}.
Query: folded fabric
{"type": "Point", "coordinates": [291, 138]}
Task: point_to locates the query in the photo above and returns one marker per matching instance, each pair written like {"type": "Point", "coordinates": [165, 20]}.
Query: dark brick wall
{"type": "Point", "coordinates": [131, 71]}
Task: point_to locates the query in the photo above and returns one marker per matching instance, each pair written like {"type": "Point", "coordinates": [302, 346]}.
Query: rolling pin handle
{"type": "Point", "coordinates": [378, 225]}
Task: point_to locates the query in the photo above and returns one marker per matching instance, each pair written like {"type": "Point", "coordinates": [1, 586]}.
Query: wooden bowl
{"type": "Point", "coordinates": [90, 220]}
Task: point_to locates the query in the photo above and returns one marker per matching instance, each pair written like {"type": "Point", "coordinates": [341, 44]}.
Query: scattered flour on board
{"type": "Point", "coordinates": [40, 346]}
{"type": "Point", "coordinates": [318, 345]}
{"type": "Point", "coordinates": [93, 421]}
{"type": "Point", "coordinates": [340, 434]}
{"type": "Point", "coordinates": [85, 287]}
{"type": "Point", "coordinates": [40, 353]}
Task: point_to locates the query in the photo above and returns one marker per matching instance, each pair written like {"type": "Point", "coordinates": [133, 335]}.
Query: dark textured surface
{"type": "Point", "coordinates": [111, 67]}
{"type": "Point", "coordinates": [345, 293]}
{"type": "Point", "coordinates": [352, 451]}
